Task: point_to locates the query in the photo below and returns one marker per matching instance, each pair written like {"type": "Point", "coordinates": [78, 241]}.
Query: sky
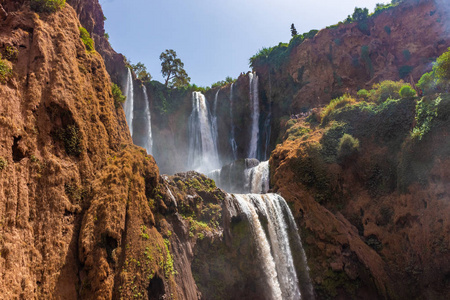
{"type": "Point", "coordinates": [214, 38]}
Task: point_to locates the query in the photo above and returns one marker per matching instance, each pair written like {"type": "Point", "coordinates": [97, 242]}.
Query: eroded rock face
{"type": "Point", "coordinates": [58, 126]}
{"type": "Point", "coordinates": [400, 43]}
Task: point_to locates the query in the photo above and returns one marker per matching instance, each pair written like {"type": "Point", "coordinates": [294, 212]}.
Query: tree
{"type": "Point", "coordinates": [293, 30]}
{"type": "Point", "coordinates": [360, 14]}
{"type": "Point", "coordinates": [173, 69]}
{"type": "Point", "coordinates": [141, 72]}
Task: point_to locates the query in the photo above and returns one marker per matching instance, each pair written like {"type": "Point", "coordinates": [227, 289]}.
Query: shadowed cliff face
{"type": "Point", "coordinates": [375, 221]}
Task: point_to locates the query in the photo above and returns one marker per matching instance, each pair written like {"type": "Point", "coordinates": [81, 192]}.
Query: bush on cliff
{"type": "Point", "coordinates": [348, 147]}
{"type": "Point", "coordinates": [438, 80]}
{"type": "Point", "coordinates": [335, 104]}
{"type": "Point", "coordinates": [119, 98]}
{"type": "Point", "coordinates": [5, 70]}
{"type": "Point", "coordinates": [47, 6]}
{"type": "Point", "coordinates": [407, 92]}
{"type": "Point", "coordinates": [86, 38]}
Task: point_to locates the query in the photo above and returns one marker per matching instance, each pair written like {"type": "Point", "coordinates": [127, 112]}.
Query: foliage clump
{"type": "Point", "coordinates": [172, 68]}
{"type": "Point", "coordinates": [3, 163]}
{"type": "Point", "coordinates": [71, 137]}
{"type": "Point", "coordinates": [438, 80]}
{"type": "Point", "coordinates": [384, 90]}
{"type": "Point", "coordinates": [5, 70]}
{"type": "Point", "coordinates": [87, 40]}
{"type": "Point", "coordinates": [407, 92]}
{"type": "Point", "coordinates": [221, 83]}
{"type": "Point", "coordinates": [335, 104]}
{"type": "Point", "coordinates": [348, 147]}
{"type": "Point", "coordinates": [141, 72]}
{"type": "Point", "coordinates": [11, 53]}
{"type": "Point", "coordinates": [119, 98]}
{"type": "Point", "coordinates": [47, 6]}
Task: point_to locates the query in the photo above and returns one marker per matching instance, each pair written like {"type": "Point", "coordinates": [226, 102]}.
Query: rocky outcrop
{"type": "Point", "coordinates": [375, 223]}
{"type": "Point", "coordinates": [398, 43]}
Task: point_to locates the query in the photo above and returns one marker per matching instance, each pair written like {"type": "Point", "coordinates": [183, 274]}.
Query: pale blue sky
{"type": "Point", "coordinates": [214, 38]}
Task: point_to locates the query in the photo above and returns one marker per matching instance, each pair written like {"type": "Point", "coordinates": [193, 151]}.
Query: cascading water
{"type": "Point", "coordinates": [214, 128]}
{"type": "Point", "coordinates": [149, 140]}
{"type": "Point", "coordinates": [129, 102]}
{"type": "Point", "coordinates": [254, 105]}
{"type": "Point", "coordinates": [274, 248]}
{"type": "Point", "coordinates": [267, 131]}
{"type": "Point", "coordinates": [257, 178]}
{"type": "Point", "coordinates": [232, 138]}
{"type": "Point", "coordinates": [203, 155]}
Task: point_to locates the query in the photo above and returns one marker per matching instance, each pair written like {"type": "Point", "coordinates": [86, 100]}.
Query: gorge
{"type": "Point", "coordinates": [290, 182]}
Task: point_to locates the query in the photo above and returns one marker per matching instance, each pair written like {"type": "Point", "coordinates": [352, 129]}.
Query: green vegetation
{"type": "Point", "coordinates": [119, 98]}
{"type": "Point", "coordinates": [384, 90]}
{"type": "Point", "coordinates": [404, 71]}
{"type": "Point", "coordinates": [365, 56]}
{"type": "Point", "coordinates": [47, 6]}
{"type": "Point", "coordinates": [168, 263]}
{"type": "Point", "coordinates": [71, 138]}
{"type": "Point", "coordinates": [347, 148]}
{"type": "Point", "coordinates": [407, 92]}
{"type": "Point", "coordinates": [141, 72]}
{"type": "Point", "coordinates": [438, 80]}
{"type": "Point", "coordinates": [173, 70]}
{"type": "Point", "coordinates": [277, 55]}
{"type": "Point", "coordinates": [5, 70]}
{"type": "Point", "coordinates": [294, 31]}
{"type": "Point", "coordinates": [144, 233]}
{"type": "Point", "coordinates": [3, 163]}
{"type": "Point", "coordinates": [337, 103]}
{"type": "Point", "coordinates": [221, 83]}
{"type": "Point", "coordinates": [431, 113]}
{"type": "Point", "coordinates": [86, 38]}
{"type": "Point", "coordinates": [11, 53]}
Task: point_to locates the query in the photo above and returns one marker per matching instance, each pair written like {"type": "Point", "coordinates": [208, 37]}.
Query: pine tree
{"type": "Point", "coordinates": [293, 30]}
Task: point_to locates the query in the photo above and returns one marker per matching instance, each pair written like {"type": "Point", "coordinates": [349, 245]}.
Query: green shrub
{"type": "Point", "coordinates": [407, 92]}
{"type": "Point", "coordinates": [335, 104]}
{"type": "Point", "coordinates": [404, 71]}
{"type": "Point", "coordinates": [365, 56]}
{"type": "Point", "coordinates": [442, 67]}
{"type": "Point", "coordinates": [386, 89]}
{"type": "Point", "coordinates": [47, 6]}
{"type": "Point", "coordinates": [387, 29]}
{"type": "Point", "coordinates": [364, 94]}
{"type": "Point", "coordinates": [3, 163]}
{"type": "Point", "coordinates": [427, 83]}
{"type": "Point", "coordinates": [11, 53]}
{"type": "Point", "coordinates": [348, 147]}
{"type": "Point", "coordinates": [330, 140]}
{"type": "Point", "coordinates": [119, 98]}
{"type": "Point", "coordinates": [5, 70]}
{"type": "Point", "coordinates": [86, 38]}
{"type": "Point", "coordinates": [71, 138]}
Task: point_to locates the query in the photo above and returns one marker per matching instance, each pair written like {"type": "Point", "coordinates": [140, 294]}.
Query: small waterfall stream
{"type": "Point", "coordinates": [203, 155]}
{"type": "Point", "coordinates": [149, 140]}
{"type": "Point", "coordinates": [129, 102]}
{"type": "Point", "coordinates": [233, 129]}
{"type": "Point", "coordinates": [254, 106]}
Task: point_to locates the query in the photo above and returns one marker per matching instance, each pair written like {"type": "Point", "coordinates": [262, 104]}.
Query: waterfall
{"type": "Point", "coordinates": [203, 155]}
{"type": "Point", "coordinates": [267, 131]}
{"type": "Point", "coordinates": [262, 245]}
{"type": "Point", "coordinates": [214, 128]}
{"type": "Point", "coordinates": [257, 178]}
{"type": "Point", "coordinates": [232, 138]}
{"type": "Point", "coordinates": [129, 102]}
{"type": "Point", "coordinates": [254, 106]}
{"type": "Point", "coordinates": [243, 176]}
{"type": "Point", "coordinates": [148, 141]}
{"type": "Point", "coordinates": [274, 246]}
